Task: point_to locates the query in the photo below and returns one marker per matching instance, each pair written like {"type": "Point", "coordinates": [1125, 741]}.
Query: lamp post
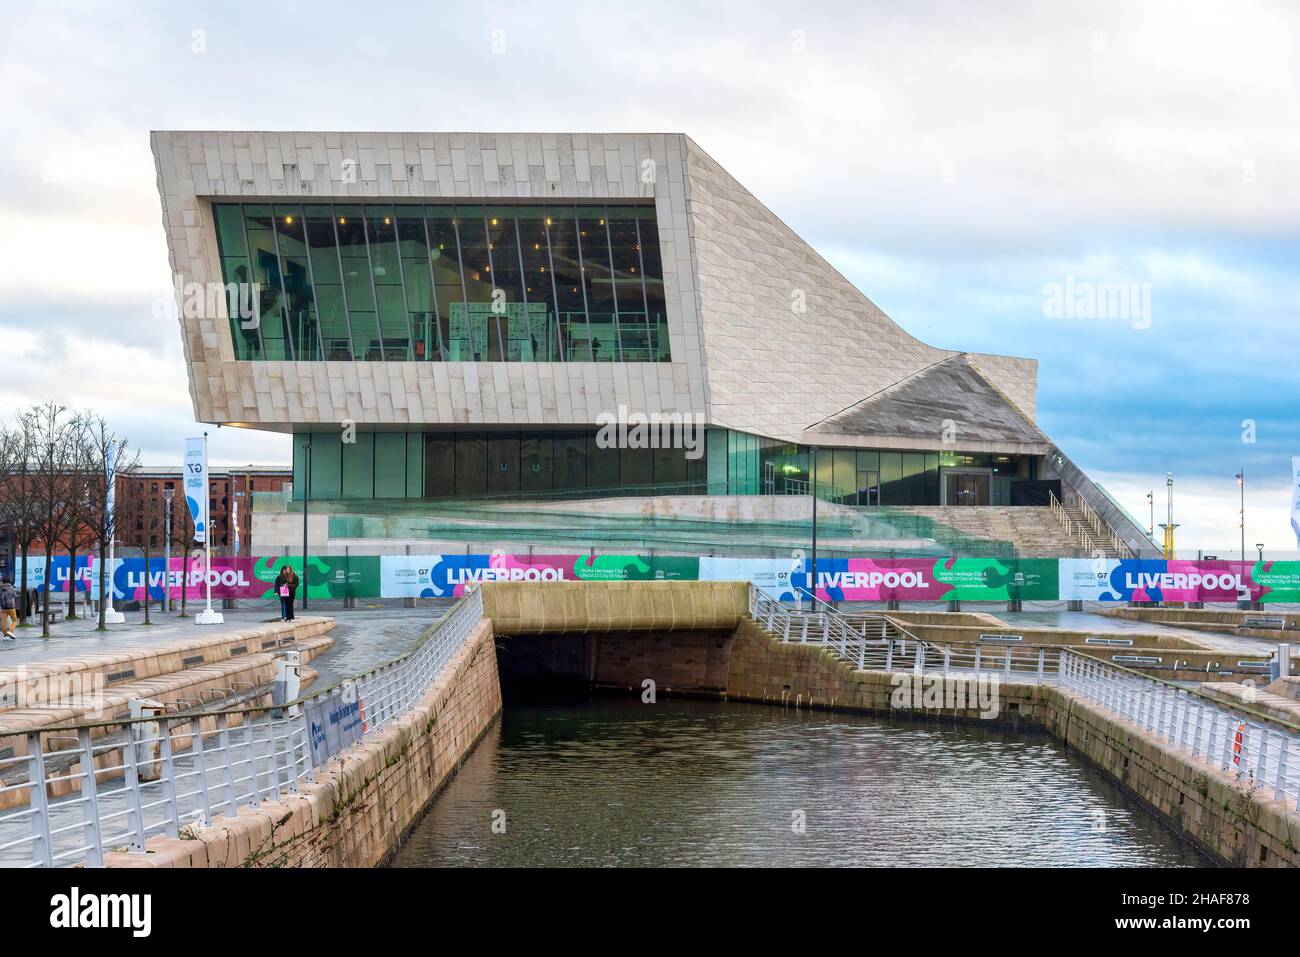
{"type": "Point", "coordinates": [306, 498]}
{"type": "Point", "coordinates": [167, 549]}
{"type": "Point", "coordinates": [111, 615]}
{"type": "Point", "coordinates": [1169, 525]}
{"type": "Point", "coordinates": [1260, 547]}
{"type": "Point", "coordinates": [1151, 504]}
{"type": "Point", "coordinates": [812, 486]}
{"type": "Point", "coordinates": [1241, 483]}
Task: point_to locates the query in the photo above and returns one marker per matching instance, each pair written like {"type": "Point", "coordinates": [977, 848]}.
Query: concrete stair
{"type": "Point", "coordinates": [1101, 542]}
{"type": "Point", "coordinates": [1034, 532]}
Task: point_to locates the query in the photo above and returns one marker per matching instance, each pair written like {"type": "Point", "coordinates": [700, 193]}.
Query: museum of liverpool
{"type": "Point", "coordinates": [464, 318]}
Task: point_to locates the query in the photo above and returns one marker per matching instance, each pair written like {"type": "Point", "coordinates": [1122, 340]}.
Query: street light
{"type": "Point", "coordinates": [1241, 482]}
{"type": "Point", "coordinates": [812, 485]}
{"type": "Point", "coordinates": [167, 550]}
{"type": "Point", "coordinates": [1260, 546]}
{"type": "Point", "coordinates": [1169, 524]}
{"type": "Point", "coordinates": [1151, 504]}
{"type": "Point", "coordinates": [306, 498]}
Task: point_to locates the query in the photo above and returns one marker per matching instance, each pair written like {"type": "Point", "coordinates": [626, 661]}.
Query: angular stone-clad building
{"type": "Point", "coordinates": [474, 306]}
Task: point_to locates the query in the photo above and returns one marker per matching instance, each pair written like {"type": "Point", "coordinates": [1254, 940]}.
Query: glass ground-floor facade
{"type": "Point", "coordinates": [472, 463]}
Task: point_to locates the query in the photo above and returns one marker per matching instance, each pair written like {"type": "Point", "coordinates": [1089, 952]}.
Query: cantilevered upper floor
{"type": "Point", "coordinates": [530, 280]}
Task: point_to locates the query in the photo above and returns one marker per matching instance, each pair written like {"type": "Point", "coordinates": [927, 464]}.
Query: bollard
{"type": "Point", "coordinates": [954, 605]}
{"type": "Point", "coordinates": [1280, 667]}
{"type": "Point", "coordinates": [1074, 605]}
{"type": "Point", "coordinates": [147, 739]}
{"type": "Point", "coordinates": [288, 682]}
{"type": "Point", "coordinates": [409, 602]}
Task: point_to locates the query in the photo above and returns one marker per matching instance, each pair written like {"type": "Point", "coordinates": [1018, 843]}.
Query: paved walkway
{"type": "Point", "coordinates": [1104, 624]}
{"type": "Point", "coordinates": [363, 637]}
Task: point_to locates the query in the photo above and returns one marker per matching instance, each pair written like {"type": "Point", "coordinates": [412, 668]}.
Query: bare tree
{"type": "Point", "coordinates": [51, 432]}
{"type": "Point", "coordinates": [144, 505]}
{"type": "Point", "coordinates": [109, 456]}
{"type": "Point", "coordinates": [20, 502]}
{"type": "Point", "coordinates": [182, 533]}
{"type": "Point", "coordinates": [79, 531]}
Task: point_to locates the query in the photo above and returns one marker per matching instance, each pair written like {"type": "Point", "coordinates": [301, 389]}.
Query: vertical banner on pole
{"type": "Point", "coordinates": [196, 486]}
{"type": "Point", "coordinates": [196, 497]}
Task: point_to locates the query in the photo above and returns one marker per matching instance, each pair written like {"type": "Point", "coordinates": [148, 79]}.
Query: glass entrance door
{"type": "Point", "coordinates": [966, 488]}
{"type": "Point", "coordinates": [868, 488]}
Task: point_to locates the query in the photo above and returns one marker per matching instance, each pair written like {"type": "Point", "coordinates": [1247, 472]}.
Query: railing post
{"type": "Point", "coordinates": [862, 655]}
{"type": "Point", "coordinates": [227, 762]}
{"type": "Point", "coordinates": [1279, 775]}
{"type": "Point", "coordinates": [172, 825]}
{"type": "Point", "coordinates": [91, 832]}
{"type": "Point", "coordinates": [252, 761]}
{"type": "Point", "coordinates": [201, 766]}
{"type": "Point", "coordinates": [302, 729]}
{"type": "Point", "coordinates": [918, 664]}
{"type": "Point", "coordinates": [1006, 661]}
{"type": "Point", "coordinates": [1261, 762]}
{"type": "Point", "coordinates": [131, 774]}
{"type": "Point", "coordinates": [977, 659]}
{"type": "Point", "coordinates": [889, 654]}
{"type": "Point", "coordinates": [947, 655]}
{"type": "Point", "coordinates": [1042, 652]}
{"type": "Point", "coordinates": [42, 847]}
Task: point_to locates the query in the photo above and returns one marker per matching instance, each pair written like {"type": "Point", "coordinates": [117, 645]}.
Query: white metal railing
{"type": "Point", "coordinates": [72, 793]}
{"type": "Point", "coordinates": [1260, 752]}
{"type": "Point", "coordinates": [1067, 521]}
{"type": "Point", "coordinates": [1099, 524]}
{"type": "Point", "coordinates": [883, 643]}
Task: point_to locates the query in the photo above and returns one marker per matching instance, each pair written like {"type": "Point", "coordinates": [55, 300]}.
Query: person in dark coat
{"type": "Point", "coordinates": [286, 587]}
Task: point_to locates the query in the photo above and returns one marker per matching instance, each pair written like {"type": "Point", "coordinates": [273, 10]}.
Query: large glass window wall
{"type": "Point", "coordinates": [405, 282]}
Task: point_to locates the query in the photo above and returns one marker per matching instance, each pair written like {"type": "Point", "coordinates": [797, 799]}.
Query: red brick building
{"type": "Point", "coordinates": [233, 491]}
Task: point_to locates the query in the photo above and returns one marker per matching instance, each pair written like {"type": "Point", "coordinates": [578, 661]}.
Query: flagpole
{"type": "Point", "coordinates": [111, 615]}
{"type": "Point", "coordinates": [207, 526]}
{"type": "Point", "coordinates": [207, 616]}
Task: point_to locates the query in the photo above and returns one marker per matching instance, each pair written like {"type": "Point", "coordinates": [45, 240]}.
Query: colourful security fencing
{"type": "Point", "coordinates": [840, 579]}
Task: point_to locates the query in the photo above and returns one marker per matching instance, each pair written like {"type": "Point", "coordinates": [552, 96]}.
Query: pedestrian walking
{"type": "Point", "coordinates": [8, 608]}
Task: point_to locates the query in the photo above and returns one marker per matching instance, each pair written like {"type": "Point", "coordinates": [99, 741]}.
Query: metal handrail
{"type": "Point", "coordinates": [115, 784]}
{"type": "Point", "coordinates": [1099, 525]}
{"type": "Point", "coordinates": [1260, 749]}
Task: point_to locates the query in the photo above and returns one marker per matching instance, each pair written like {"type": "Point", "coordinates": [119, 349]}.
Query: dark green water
{"type": "Point", "coordinates": [614, 782]}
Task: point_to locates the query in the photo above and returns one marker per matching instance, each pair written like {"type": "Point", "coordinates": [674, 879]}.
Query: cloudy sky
{"type": "Point", "coordinates": [958, 162]}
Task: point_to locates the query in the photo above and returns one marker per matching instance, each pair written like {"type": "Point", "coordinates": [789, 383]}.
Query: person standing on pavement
{"type": "Point", "coordinates": [8, 609]}
{"type": "Point", "coordinates": [286, 587]}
